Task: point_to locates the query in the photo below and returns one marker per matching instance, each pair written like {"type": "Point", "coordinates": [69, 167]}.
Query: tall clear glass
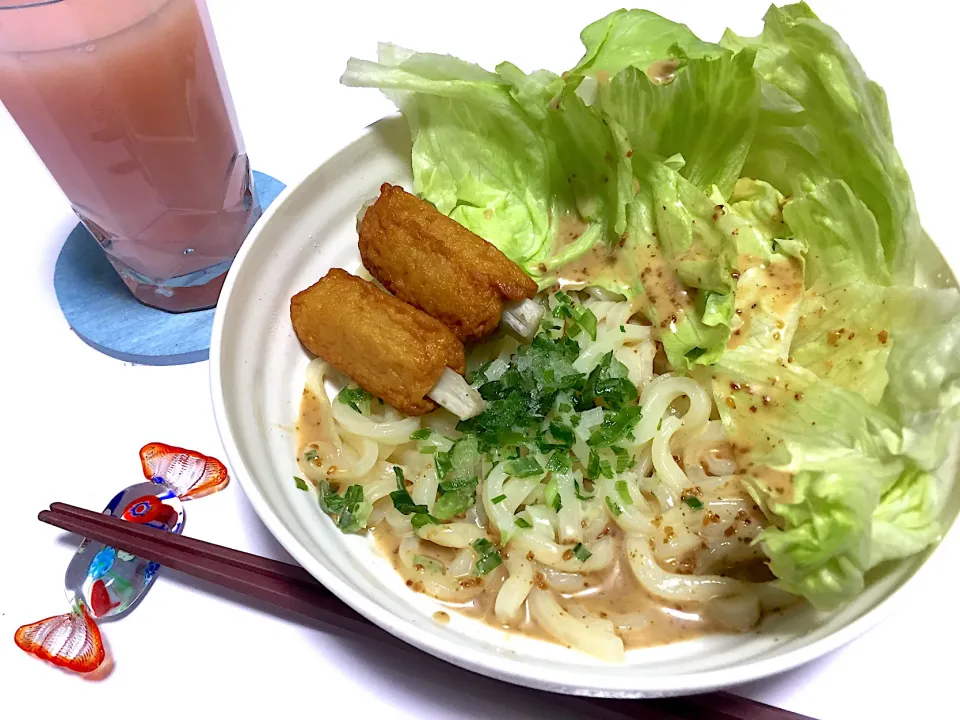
{"type": "Point", "coordinates": [126, 103]}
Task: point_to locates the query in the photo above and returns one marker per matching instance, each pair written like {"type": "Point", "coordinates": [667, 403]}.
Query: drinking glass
{"type": "Point", "coordinates": [127, 105]}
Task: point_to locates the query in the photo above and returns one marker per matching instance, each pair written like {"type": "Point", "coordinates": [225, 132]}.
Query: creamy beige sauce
{"type": "Point", "coordinates": [612, 594]}
{"type": "Point", "coordinates": [663, 71]}
{"type": "Point", "coordinates": [667, 298]}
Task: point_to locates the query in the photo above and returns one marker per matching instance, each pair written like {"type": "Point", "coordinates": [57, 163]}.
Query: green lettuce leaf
{"type": "Point", "coordinates": [822, 118]}
{"type": "Point", "coordinates": [749, 198]}
{"type": "Point", "coordinates": [637, 38]}
{"type": "Point", "coordinates": [820, 460]}
{"type": "Point", "coordinates": [478, 156]}
{"type": "Point", "coordinates": [906, 520]}
{"type": "Point", "coordinates": [668, 118]}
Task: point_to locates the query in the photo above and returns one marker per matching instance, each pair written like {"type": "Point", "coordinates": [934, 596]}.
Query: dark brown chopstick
{"type": "Point", "coordinates": [289, 587]}
{"type": "Point", "coordinates": [292, 588]}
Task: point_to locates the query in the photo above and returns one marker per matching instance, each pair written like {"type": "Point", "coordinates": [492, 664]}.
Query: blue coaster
{"type": "Point", "coordinates": [106, 316]}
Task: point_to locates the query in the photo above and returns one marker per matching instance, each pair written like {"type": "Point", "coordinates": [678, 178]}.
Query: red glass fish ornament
{"type": "Point", "coordinates": [71, 641]}
{"type": "Point", "coordinates": [191, 474]}
{"type": "Point", "coordinates": [102, 581]}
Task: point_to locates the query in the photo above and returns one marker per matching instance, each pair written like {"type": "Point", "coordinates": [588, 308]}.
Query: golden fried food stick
{"type": "Point", "coordinates": [434, 263]}
{"type": "Point", "coordinates": [389, 348]}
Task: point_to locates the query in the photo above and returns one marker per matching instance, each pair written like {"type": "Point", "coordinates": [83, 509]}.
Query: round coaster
{"type": "Point", "coordinates": [106, 316]}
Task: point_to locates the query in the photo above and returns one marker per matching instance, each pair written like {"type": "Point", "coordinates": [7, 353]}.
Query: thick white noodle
{"type": "Point", "coordinates": [638, 359]}
{"type": "Point", "coordinates": [633, 518]}
{"type": "Point", "coordinates": [551, 554]}
{"type": "Point", "coordinates": [672, 479]}
{"type": "Point", "coordinates": [500, 514]}
{"type": "Point", "coordinates": [563, 582]}
{"type": "Point", "coordinates": [567, 629]}
{"type": "Point", "coordinates": [444, 585]}
{"type": "Point", "coordinates": [369, 452]}
{"type": "Point", "coordinates": [515, 589]}
{"type": "Point", "coordinates": [570, 515]}
{"type": "Point", "coordinates": [462, 564]}
{"type": "Point", "coordinates": [425, 487]}
{"type": "Point", "coordinates": [671, 586]}
{"type": "Point", "coordinates": [542, 520]}
{"type": "Point", "coordinates": [454, 535]}
{"type": "Point", "coordinates": [737, 612]}
{"type": "Point", "coordinates": [660, 394]}
{"type": "Point", "coordinates": [697, 454]}
{"type": "Point", "coordinates": [395, 432]}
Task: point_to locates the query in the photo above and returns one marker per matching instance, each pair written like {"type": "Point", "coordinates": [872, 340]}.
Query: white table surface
{"type": "Point", "coordinates": [72, 419]}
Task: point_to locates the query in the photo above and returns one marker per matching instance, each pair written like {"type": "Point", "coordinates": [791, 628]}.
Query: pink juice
{"type": "Point", "coordinates": [126, 103]}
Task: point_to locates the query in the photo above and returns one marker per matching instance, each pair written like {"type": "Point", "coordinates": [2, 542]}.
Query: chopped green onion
{"type": "Point", "coordinates": [593, 465]}
{"type": "Point", "coordinates": [428, 450]}
{"type": "Point", "coordinates": [432, 566]}
{"type": "Point", "coordinates": [330, 501]}
{"type": "Point", "coordinates": [615, 426]}
{"type": "Point", "coordinates": [498, 499]}
{"type": "Point", "coordinates": [560, 461]}
{"type": "Point", "coordinates": [301, 485]}
{"type": "Point", "coordinates": [623, 329]}
{"type": "Point", "coordinates": [421, 434]}
{"type": "Point", "coordinates": [623, 458]}
{"type": "Point", "coordinates": [624, 492]}
{"type": "Point", "coordinates": [401, 496]}
{"type": "Point", "coordinates": [489, 556]}
{"type": "Point", "coordinates": [523, 467]}
{"type": "Point", "coordinates": [580, 496]}
{"type": "Point", "coordinates": [310, 455]}
{"type": "Point", "coordinates": [357, 398]}
{"type": "Point", "coordinates": [563, 433]}
{"type": "Point", "coordinates": [521, 523]}
{"type": "Point", "coordinates": [443, 464]}
{"type": "Point", "coordinates": [693, 502]}
{"type": "Point", "coordinates": [614, 508]}
{"type": "Point", "coordinates": [551, 494]}
{"type": "Point", "coordinates": [423, 518]}
{"type": "Point", "coordinates": [346, 507]}
{"type": "Point", "coordinates": [581, 553]}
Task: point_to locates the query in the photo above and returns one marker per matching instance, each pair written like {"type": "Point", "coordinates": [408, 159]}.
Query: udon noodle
{"type": "Point", "coordinates": [655, 552]}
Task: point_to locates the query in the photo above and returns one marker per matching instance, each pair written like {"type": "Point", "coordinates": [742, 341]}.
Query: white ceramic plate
{"type": "Point", "coordinates": [257, 372]}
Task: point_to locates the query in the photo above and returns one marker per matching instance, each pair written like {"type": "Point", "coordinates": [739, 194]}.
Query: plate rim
{"type": "Point", "coordinates": [513, 670]}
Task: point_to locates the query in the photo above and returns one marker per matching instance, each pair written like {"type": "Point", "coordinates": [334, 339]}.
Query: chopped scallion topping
{"type": "Point", "coordinates": [581, 553]}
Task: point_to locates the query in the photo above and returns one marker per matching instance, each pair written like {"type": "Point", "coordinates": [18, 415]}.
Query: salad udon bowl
{"type": "Point", "coordinates": [257, 377]}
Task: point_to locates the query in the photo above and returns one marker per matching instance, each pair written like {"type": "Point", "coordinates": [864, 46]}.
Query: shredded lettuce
{"type": "Point", "coordinates": [748, 198]}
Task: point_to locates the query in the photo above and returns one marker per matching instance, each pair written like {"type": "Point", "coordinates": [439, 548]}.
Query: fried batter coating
{"type": "Point", "coordinates": [389, 348]}
{"type": "Point", "coordinates": [434, 263]}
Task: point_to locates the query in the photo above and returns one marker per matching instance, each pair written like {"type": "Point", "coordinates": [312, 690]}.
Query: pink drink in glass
{"type": "Point", "coordinates": [126, 103]}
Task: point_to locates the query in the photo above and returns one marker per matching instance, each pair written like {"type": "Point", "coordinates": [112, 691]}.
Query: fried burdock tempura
{"type": "Point", "coordinates": [389, 348]}
{"type": "Point", "coordinates": [434, 263]}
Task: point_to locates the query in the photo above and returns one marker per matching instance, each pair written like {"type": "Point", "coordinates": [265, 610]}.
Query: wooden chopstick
{"type": "Point", "coordinates": [289, 587]}
{"type": "Point", "coordinates": [292, 588]}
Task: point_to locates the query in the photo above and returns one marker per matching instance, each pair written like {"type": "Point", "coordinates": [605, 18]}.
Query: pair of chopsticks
{"type": "Point", "coordinates": [292, 588]}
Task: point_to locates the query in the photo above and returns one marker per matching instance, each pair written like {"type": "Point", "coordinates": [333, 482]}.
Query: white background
{"type": "Point", "coordinates": [72, 420]}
